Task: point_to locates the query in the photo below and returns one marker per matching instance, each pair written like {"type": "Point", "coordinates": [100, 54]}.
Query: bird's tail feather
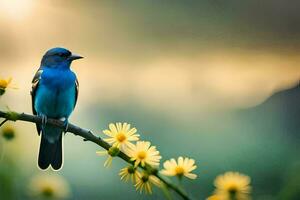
{"type": "Point", "coordinates": [50, 151]}
{"type": "Point", "coordinates": [57, 160]}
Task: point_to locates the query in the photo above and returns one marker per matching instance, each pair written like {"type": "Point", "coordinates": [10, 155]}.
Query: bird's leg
{"type": "Point", "coordinates": [66, 124]}
{"type": "Point", "coordinates": [44, 120]}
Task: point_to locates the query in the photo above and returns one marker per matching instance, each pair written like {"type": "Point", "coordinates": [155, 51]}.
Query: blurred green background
{"type": "Point", "coordinates": [210, 79]}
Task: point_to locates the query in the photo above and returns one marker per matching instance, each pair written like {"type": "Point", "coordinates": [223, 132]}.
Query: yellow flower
{"type": "Point", "coordinates": [233, 185]}
{"type": "Point", "coordinates": [129, 172]}
{"type": "Point", "coordinates": [48, 186]}
{"type": "Point", "coordinates": [121, 135]}
{"type": "Point", "coordinates": [145, 182]}
{"type": "Point", "coordinates": [181, 168]}
{"type": "Point", "coordinates": [142, 152]}
{"type": "Point", "coordinates": [5, 83]}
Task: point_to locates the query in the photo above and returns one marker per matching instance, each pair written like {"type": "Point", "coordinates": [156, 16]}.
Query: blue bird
{"type": "Point", "coordinates": [54, 95]}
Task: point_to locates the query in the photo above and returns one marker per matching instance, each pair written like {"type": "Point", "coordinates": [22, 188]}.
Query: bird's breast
{"type": "Point", "coordinates": [55, 96]}
{"type": "Point", "coordinates": [58, 79]}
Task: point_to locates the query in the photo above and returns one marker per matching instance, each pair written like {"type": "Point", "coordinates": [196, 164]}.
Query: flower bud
{"type": "Point", "coordinates": [8, 132]}
{"type": "Point", "coordinates": [2, 91]}
{"type": "Point", "coordinates": [113, 151]}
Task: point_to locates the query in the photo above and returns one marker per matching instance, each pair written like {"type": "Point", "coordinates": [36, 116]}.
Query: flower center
{"type": "Point", "coordinates": [141, 155]}
{"type": "Point", "coordinates": [232, 190]}
{"type": "Point", "coordinates": [179, 170]}
{"type": "Point", "coordinates": [121, 137]}
{"type": "Point", "coordinates": [130, 170]}
{"type": "Point", "coordinates": [48, 191]}
{"type": "Point", "coordinates": [145, 178]}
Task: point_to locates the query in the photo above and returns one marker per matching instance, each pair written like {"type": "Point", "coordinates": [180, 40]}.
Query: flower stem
{"type": "Point", "coordinates": [2, 150]}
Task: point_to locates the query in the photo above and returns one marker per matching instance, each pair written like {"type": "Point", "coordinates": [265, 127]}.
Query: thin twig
{"type": "Point", "coordinates": [4, 121]}
{"type": "Point", "coordinates": [88, 136]}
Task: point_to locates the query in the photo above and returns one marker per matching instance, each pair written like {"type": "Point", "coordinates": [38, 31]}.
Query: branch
{"type": "Point", "coordinates": [88, 136]}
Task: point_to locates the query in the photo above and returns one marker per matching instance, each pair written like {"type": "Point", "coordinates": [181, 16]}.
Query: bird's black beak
{"type": "Point", "coordinates": [75, 57]}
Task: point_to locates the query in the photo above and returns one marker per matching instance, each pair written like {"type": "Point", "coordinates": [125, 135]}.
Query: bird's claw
{"type": "Point", "coordinates": [66, 125]}
{"type": "Point", "coordinates": [44, 121]}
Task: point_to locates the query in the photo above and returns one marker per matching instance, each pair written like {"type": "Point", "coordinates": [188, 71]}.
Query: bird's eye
{"type": "Point", "coordinates": [62, 54]}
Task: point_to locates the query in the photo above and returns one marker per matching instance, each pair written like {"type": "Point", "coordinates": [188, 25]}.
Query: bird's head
{"type": "Point", "coordinates": [58, 58]}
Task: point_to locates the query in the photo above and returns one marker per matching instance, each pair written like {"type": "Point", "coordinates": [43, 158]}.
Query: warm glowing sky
{"type": "Point", "coordinates": [170, 55]}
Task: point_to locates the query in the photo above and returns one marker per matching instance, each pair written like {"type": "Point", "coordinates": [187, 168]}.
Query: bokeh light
{"type": "Point", "coordinates": [15, 9]}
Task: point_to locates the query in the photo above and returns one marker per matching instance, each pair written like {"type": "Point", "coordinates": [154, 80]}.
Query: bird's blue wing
{"type": "Point", "coordinates": [35, 84]}
{"type": "Point", "coordinates": [76, 91]}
